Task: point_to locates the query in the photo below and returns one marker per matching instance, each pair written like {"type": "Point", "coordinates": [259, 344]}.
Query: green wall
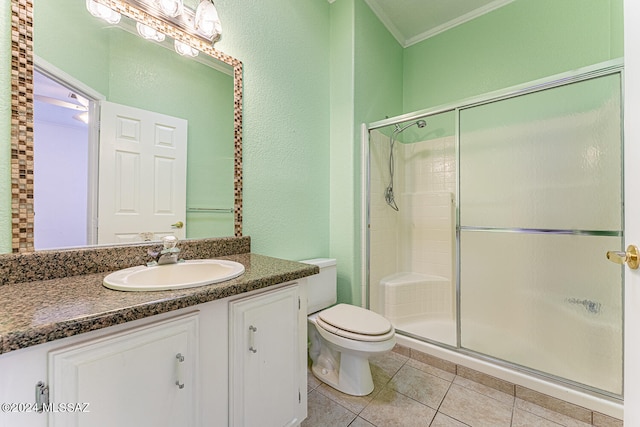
{"type": "Point", "coordinates": [366, 82]}
{"type": "Point", "coordinates": [378, 94]}
{"type": "Point", "coordinates": [284, 46]}
{"type": "Point", "coordinates": [343, 205]}
{"type": "Point", "coordinates": [520, 42]}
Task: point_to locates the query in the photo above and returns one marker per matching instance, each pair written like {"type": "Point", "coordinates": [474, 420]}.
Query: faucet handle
{"type": "Point", "coordinates": [169, 242]}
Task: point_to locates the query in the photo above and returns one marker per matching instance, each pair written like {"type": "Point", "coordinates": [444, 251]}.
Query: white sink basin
{"type": "Point", "coordinates": [187, 274]}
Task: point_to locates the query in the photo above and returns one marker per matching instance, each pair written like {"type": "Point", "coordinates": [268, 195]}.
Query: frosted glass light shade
{"type": "Point", "coordinates": [172, 8]}
{"type": "Point", "coordinates": [149, 33]}
{"type": "Point", "coordinates": [184, 49]}
{"type": "Point", "coordinates": [103, 12]}
{"type": "Point", "coordinates": [83, 117]}
{"type": "Point", "coordinates": [207, 21]}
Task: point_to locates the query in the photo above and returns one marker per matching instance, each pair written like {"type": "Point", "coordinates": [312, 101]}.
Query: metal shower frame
{"type": "Point", "coordinates": [578, 75]}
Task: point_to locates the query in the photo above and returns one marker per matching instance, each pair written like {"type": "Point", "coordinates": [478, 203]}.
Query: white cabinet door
{"type": "Point", "coordinates": [266, 358]}
{"type": "Point", "coordinates": [140, 377]}
{"type": "Point", "coordinates": [20, 371]}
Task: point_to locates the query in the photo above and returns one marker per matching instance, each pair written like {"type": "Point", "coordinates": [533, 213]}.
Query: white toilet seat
{"type": "Point", "coordinates": [355, 323]}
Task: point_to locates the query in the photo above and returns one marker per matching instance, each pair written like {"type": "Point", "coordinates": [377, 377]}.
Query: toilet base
{"type": "Point", "coordinates": [343, 363]}
{"type": "Point", "coordinates": [352, 376]}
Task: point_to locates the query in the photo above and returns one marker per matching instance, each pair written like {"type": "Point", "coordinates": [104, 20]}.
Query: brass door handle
{"type": "Point", "coordinates": [631, 257]}
{"type": "Point", "coordinates": [178, 224]}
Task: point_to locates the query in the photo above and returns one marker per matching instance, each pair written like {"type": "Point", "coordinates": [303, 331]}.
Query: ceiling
{"type": "Point", "coordinates": [56, 103]}
{"type": "Point", "coordinates": [411, 21]}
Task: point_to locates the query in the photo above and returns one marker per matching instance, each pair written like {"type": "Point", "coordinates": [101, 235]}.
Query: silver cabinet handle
{"type": "Point", "coordinates": [252, 334]}
{"type": "Point", "coordinates": [179, 363]}
{"type": "Point", "coordinates": [42, 396]}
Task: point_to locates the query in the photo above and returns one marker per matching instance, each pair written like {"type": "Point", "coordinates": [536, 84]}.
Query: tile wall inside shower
{"type": "Point", "coordinates": [418, 239]}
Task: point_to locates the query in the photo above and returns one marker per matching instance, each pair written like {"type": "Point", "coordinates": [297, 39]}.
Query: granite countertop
{"type": "Point", "coordinates": [36, 312]}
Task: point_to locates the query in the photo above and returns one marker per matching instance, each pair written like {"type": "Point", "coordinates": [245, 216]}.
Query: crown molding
{"type": "Point", "coordinates": [404, 42]}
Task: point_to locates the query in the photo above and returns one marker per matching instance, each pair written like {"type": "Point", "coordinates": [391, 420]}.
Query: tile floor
{"type": "Point", "coordinates": [411, 393]}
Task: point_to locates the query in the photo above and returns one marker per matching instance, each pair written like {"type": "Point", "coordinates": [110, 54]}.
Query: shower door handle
{"type": "Point", "coordinates": [630, 257]}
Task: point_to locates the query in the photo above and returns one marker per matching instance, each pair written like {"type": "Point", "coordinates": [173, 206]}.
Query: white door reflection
{"type": "Point", "coordinates": [142, 175]}
{"type": "Point", "coordinates": [142, 201]}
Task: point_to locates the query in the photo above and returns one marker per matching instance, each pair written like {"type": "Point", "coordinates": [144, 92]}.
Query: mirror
{"type": "Point", "coordinates": [108, 60]}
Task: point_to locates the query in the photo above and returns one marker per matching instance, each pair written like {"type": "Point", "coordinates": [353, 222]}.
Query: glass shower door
{"type": "Point", "coordinates": [540, 203]}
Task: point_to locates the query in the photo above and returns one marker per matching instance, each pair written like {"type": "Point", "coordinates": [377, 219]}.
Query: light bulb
{"type": "Point", "coordinates": [103, 12]}
{"type": "Point", "coordinates": [172, 8]}
{"type": "Point", "coordinates": [207, 21]}
{"type": "Point", "coordinates": [83, 117]}
{"type": "Point", "coordinates": [149, 33]}
{"type": "Point", "coordinates": [184, 49]}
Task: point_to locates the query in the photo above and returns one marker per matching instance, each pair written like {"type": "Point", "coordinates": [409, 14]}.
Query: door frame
{"type": "Point", "coordinates": [94, 97]}
{"type": "Point", "coordinates": [632, 210]}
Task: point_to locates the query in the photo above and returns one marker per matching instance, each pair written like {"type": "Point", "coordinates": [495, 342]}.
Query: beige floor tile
{"type": "Point", "coordinates": [385, 366]}
{"type": "Point", "coordinates": [391, 408]}
{"type": "Point", "coordinates": [407, 391]}
{"type": "Point", "coordinates": [324, 412]}
{"type": "Point", "coordinates": [400, 349]}
{"type": "Point", "coordinates": [359, 422]}
{"type": "Point", "coordinates": [312, 381]}
{"type": "Point", "coordinates": [505, 398]}
{"type": "Point", "coordinates": [442, 364]}
{"type": "Point", "coordinates": [601, 420]}
{"type": "Point", "coordinates": [487, 380]}
{"type": "Point", "coordinates": [421, 386]}
{"type": "Point", "coordinates": [425, 367]}
{"type": "Point", "coordinates": [522, 418]}
{"type": "Point", "coordinates": [556, 405]}
{"type": "Point", "coordinates": [475, 409]}
{"type": "Point", "coordinates": [548, 414]}
{"type": "Point", "coordinates": [442, 420]}
{"type": "Point", "coordinates": [382, 369]}
{"type": "Point", "coordinates": [353, 403]}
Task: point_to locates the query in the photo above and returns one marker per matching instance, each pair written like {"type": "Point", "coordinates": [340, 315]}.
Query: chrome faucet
{"type": "Point", "coordinates": [168, 254]}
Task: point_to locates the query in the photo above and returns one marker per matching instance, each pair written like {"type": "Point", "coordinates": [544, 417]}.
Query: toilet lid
{"type": "Point", "coordinates": [356, 320]}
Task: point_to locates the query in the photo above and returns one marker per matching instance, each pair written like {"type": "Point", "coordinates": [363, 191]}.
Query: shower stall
{"type": "Point", "coordinates": [488, 221]}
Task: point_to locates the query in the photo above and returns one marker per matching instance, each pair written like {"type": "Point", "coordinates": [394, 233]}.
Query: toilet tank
{"type": "Point", "coordinates": [322, 287]}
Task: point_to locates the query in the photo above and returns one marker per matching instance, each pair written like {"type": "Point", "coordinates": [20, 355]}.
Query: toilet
{"type": "Point", "coordinates": [342, 337]}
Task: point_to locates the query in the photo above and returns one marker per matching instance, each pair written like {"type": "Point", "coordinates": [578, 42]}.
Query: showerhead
{"type": "Point", "coordinates": [388, 194]}
{"type": "Point", "coordinates": [420, 123]}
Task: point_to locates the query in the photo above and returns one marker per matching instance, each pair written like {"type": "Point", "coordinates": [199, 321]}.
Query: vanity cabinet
{"type": "Point", "coordinates": [142, 377]}
{"type": "Point", "coordinates": [267, 359]}
{"type": "Point", "coordinates": [189, 367]}
{"type": "Point", "coordinates": [20, 371]}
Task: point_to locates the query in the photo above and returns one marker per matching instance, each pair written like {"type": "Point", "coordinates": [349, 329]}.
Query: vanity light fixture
{"type": "Point", "coordinates": [171, 8]}
{"type": "Point", "coordinates": [101, 11]}
{"type": "Point", "coordinates": [207, 22]}
{"type": "Point", "coordinates": [83, 117]}
{"type": "Point", "coordinates": [203, 22]}
{"type": "Point", "coordinates": [184, 49]}
{"type": "Point", "coordinates": [149, 33]}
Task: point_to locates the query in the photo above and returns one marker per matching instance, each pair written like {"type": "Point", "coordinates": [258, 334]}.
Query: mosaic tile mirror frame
{"type": "Point", "coordinates": [22, 134]}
